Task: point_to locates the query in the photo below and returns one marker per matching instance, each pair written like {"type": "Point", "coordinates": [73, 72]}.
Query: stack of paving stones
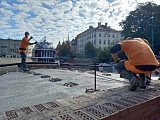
{"type": "Point", "coordinates": [104, 105]}
{"type": "Point", "coordinates": [37, 74]}
{"type": "Point", "coordinates": [70, 84]}
{"type": "Point", "coordinates": [55, 79]}
{"type": "Point", "coordinates": [45, 76]}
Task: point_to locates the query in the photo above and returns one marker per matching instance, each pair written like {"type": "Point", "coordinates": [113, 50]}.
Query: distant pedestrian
{"type": "Point", "coordinates": [141, 60]}
{"type": "Point", "coordinates": [23, 49]}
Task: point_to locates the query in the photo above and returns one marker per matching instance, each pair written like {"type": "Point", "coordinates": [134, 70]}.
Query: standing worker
{"type": "Point", "coordinates": [23, 49]}
{"type": "Point", "coordinates": [141, 60]}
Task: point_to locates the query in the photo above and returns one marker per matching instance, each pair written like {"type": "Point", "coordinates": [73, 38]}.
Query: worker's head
{"type": "Point", "coordinates": [26, 34]}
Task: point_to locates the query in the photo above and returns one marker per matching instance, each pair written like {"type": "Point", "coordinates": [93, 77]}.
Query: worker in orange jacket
{"type": "Point", "coordinates": [23, 49]}
{"type": "Point", "coordinates": [141, 60]}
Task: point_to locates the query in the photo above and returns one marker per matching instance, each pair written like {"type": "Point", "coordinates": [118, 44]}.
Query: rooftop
{"type": "Point", "coordinates": [35, 96]}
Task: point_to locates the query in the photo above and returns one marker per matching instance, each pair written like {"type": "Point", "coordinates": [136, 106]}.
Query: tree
{"type": "Point", "coordinates": [64, 49]}
{"type": "Point", "coordinates": [104, 56]}
{"type": "Point", "coordinates": [143, 22]}
{"type": "Point", "coordinates": [89, 50]}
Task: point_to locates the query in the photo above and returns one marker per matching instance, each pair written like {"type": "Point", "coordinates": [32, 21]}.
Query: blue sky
{"type": "Point", "coordinates": [56, 18]}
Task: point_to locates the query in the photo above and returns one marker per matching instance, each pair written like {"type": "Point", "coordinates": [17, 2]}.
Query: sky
{"type": "Point", "coordinates": [55, 19]}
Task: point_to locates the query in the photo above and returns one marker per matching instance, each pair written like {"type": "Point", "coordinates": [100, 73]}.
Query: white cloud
{"type": "Point", "coordinates": [56, 19]}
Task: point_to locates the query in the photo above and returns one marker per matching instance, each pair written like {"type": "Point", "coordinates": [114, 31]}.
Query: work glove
{"type": "Point", "coordinates": [36, 42]}
{"type": "Point", "coordinates": [30, 37]}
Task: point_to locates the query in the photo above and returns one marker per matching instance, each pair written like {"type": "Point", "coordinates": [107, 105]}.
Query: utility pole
{"type": "Point", "coordinates": [152, 31]}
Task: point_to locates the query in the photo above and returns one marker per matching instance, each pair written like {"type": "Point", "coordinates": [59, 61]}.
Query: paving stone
{"type": "Point", "coordinates": [105, 109]}
{"type": "Point", "coordinates": [113, 106]}
{"type": "Point", "coordinates": [11, 115]}
{"type": "Point", "coordinates": [26, 110]}
{"type": "Point", "coordinates": [45, 76]}
{"type": "Point", "coordinates": [95, 112]}
{"type": "Point", "coordinates": [41, 108]}
{"type": "Point", "coordinates": [83, 115]}
{"type": "Point", "coordinates": [53, 104]}
{"type": "Point", "coordinates": [66, 116]}
{"type": "Point", "coordinates": [37, 74]}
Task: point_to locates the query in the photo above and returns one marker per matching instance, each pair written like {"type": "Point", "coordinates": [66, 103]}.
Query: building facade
{"type": "Point", "coordinates": [9, 48]}
{"type": "Point", "coordinates": [44, 52]}
{"type": "Point", "coordinates": [102, 37]}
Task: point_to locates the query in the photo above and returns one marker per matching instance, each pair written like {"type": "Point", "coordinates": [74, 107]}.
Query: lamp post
{"type": "Point", "coordinates": [152, 30]}
{"type": "Point", "coordinates": [95, 73]}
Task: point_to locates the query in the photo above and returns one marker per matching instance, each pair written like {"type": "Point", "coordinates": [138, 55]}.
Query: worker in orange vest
{"type": "Point", "coordinates": [141, 60]}
{"type": "Point", "coordinates": [23, 49]}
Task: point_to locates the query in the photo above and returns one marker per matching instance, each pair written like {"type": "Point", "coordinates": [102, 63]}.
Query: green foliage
{"type": "Point", "coordinates": [89, 50]}
{"type": "Point", "coordinates": [64, 49]}
{"type": "Point", "coordinates": [139, 23]}
{"type": "Point", "coordinates": [104, 56]}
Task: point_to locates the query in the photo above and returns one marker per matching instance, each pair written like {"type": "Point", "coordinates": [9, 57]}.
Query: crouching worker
{"type": "Point", "coordinates": [141, 60]}
{"type": "Point", "coordinates": [23, 49]}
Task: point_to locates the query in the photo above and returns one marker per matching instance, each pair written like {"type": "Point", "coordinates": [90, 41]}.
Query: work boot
{"type": "Point", "coordinates": [26, 69]}
{"type": "Point", "coordinates": [133, 84]}
{"type": "Point", "coordinates": [142, 81]}
{"type": "Point", "coordinates": [148, 81]}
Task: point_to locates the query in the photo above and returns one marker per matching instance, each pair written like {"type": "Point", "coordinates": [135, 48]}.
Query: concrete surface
{"type": "Point", "coordinates": [20, 90]}
{"type": "Point", "coordinates": [14, 68]}
{"type": "Point", "coordinates": [12, 60]}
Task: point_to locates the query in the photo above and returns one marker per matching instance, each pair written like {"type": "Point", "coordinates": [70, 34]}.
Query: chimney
{"type": "Point", "coordinates": [105, 24]}
{"type": "Point", "coordinates": [90, 27]}
{"type": "Point", "coordinates": [99, 24]}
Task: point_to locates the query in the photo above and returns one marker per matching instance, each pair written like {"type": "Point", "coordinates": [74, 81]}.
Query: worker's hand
{"type": "Point", "coordinates": [36, 42]}
{"type": "Point", "coordinates": [30, 37]}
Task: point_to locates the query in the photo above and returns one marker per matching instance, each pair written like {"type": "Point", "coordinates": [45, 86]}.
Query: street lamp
{"type": "Point", "coordinates": [152, 30]}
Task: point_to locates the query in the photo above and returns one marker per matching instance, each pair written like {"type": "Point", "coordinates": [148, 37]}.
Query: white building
{"type": "Point", "coordinates": [101, 37]}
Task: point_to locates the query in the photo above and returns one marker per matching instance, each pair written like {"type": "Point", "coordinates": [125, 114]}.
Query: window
{"type": "Point", "coordinates": [104, 41]}
{"type": "Point", "coordinates": [94, 41]}
{"type": "Point", "coordinates": [94, 34]}
{"type": "Point", "coordinates": [99, 34]}
{"type": "Point", "coordinates": [108, 42]}
{"type": "Point", "coordinates": [104, 34]}
{"type": "Point", "coordinates": [113, 35]}
{"type": "Point", "coordinates": [99, 41]}
{"type": "Point", "coordinates": [117, 35]}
